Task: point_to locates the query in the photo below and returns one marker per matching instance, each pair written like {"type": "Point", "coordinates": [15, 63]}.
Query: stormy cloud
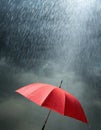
{"type": "Point", "coordinates": [47, 41]}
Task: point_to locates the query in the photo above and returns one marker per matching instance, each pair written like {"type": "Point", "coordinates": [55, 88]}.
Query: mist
{"type": "Point", "coordinates": [49, 41]}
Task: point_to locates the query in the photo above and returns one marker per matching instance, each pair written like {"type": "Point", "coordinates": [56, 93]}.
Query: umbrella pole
{"type": "Point", "coordinates": [46, 120]}
{"type": "Point", "coordinates": [49, 111]}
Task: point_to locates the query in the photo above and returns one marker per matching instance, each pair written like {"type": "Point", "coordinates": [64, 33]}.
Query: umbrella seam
{"type": "Point", "coordinates": [38, 90]}
{"type": "Point", "coordinates": [47, 97]}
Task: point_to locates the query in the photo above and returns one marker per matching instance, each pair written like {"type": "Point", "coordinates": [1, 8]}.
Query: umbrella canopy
{"type": "Point", "coordinates": [54, 98]}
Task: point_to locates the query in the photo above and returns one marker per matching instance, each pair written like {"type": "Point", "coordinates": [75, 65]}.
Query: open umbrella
{"type": "Point", "coordinates": [54, 98]}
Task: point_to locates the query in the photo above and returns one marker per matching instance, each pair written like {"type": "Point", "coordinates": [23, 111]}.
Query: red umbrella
{"type": "Point", "coordinates": [54, 98]}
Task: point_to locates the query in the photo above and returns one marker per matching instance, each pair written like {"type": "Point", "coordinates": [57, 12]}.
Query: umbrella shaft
{"type": "Point", "coordinates": [46, 120]}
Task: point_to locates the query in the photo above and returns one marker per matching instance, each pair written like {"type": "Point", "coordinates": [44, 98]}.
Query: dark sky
{"type": "Point", "coordinates": [47, 41]}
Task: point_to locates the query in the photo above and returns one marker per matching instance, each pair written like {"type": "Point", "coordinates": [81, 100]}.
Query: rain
{"type": "Point", "coordinates": [49, 41]}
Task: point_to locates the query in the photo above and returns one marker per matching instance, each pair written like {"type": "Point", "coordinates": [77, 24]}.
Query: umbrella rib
{"type": "Point", "coordinates": [47, 97]}
{"type": "Point", "coordinates": [44, 85]}
{"type": "Point", "coordinates": [38, 90]}
{"type": "Point", "coordinates": [42, 104]}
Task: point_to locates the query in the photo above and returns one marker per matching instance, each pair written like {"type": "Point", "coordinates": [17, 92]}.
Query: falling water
{"type": "Point", "coordinates": [46, 41]}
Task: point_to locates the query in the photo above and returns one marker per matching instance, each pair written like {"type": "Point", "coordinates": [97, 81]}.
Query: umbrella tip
{"type": "Point", "coordinates": [61, 83]}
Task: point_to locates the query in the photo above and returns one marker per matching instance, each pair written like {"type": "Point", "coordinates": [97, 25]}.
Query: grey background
{"type": "Point", "coordinates": [47, 41]}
